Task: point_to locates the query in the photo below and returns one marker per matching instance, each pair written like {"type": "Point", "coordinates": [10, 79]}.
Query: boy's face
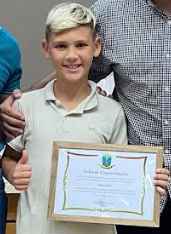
{"type": "Point", "coordinates": [72, 52]}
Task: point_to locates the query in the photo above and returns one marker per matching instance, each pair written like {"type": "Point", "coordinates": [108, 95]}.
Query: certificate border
{"type": "Point", "coordinates": [103, 210]}
{"type": "Point", "coordinates": [158, 151]}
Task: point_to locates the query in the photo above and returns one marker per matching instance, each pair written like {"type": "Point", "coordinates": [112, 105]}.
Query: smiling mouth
{"type": "Point", "coordinates": [72, 66]}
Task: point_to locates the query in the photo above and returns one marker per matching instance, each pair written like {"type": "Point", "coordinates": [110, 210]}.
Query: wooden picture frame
{"type": "Point", "coordinates": [85, 173]}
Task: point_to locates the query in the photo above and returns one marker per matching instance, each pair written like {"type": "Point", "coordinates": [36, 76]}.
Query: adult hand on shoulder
{"type": "Point", "coordinates": [22, 174]}
{"type": "Point", "coordinates": [101, 92]}
{"type": "Point", "coordinates": [161, 180]}
{"type": "Point", "coordinates": [13, 122]}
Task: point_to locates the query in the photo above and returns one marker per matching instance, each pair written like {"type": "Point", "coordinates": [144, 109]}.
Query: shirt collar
{"type": "Point", "coordinates": [49, 94]}
{"type": "Point", "coordinates": [88, 103]}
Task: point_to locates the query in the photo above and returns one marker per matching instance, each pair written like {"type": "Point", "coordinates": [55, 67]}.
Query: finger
{"type": "Point", "coordinates": [11, 131]}
{"type": "Point", "coordinates": [22, 171]}
{"type": "Point", "coordinates": [16, 94]}
{"type": "Point", "coordinates": [162, 171]}
{"type": "Point", "coordinates": [11, 121]}
{"type": "Point", "coordinates": [9, 135]}
{"type": "Point", "coordinates": [9, 100]}
{"type": "Point", "coordinates": [161, 183]}
{"type": "Point", "coordinates": [21, 187]}
{"type": "Point", "coordinates": [23, 181]}
{"type": "Point", "coordinates": [103, 93]}
{"type": "Point", "coordinates": [21, 177]}
{"type": "Point", "coordinates": [7, 109]}
{"type": "Point", "coordinates": [24, 158]}
{"type": "Point", "coordinates": [161, 191]}
{"type": "Point", "coordinates": [98, 89]}
{"type": "Point", "coordinates": [161, 177]}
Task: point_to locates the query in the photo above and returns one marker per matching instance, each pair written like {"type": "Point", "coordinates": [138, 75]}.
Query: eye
{"type": "Point", "coordinates": [60, 46]}
{"type": "Point", "coordinates": [81, 45]}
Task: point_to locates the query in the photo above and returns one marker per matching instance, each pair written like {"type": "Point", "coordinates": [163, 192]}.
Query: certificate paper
{"type": "Point", "coordinates": [104, 184]}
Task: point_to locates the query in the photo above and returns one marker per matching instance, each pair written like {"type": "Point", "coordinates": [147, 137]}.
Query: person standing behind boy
{"type": "Point", "coordinates": [136, 48]}
{"type": "Point", "coordinates": [68, 109]}
{"type": "Point", "coordinates": [10, 75]}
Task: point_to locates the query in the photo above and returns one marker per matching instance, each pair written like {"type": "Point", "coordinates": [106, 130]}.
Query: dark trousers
{"type": "Point", "coordinates": [3, 205]}
{"type": "Point", "coordinates": [165, 224]}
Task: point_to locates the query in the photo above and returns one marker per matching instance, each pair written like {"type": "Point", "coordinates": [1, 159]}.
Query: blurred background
{"type": "Point", "coordinates": [26, 20]}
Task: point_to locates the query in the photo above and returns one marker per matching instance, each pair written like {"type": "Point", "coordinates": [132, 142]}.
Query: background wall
{"type": "Point", "coordinates": [26, 20]}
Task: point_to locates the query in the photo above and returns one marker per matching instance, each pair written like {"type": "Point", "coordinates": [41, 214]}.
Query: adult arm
{"type": "Point", "coordinates": [13, 122]}
{"type": "Point", "coordinates": [10, 66]}
{"type": "Point", "coordinates": [14, 118]}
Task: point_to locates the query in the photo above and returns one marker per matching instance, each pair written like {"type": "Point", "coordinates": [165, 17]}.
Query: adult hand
{"type": "Point", "coordinates": [100, 91]}
{"type": "Point", "coordinates": [161, 180]}
{"type": "Point", "coordinates": [22, 174]}
{"type": "Point", "coordinates": [13, 122]}
{"type": "Point", "coordinates": [103, 93]}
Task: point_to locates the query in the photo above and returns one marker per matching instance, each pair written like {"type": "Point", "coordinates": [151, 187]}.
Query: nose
{"type": "Point", "coordinates": [71, 54]}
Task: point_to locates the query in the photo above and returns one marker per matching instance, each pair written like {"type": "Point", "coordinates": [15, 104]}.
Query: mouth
{"type": "Point", "coordinates": [73, 69]}
{"type": "Point", "coordinates": [72, 66]}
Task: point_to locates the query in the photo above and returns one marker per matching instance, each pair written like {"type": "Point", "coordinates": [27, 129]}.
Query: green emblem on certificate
{"type": "Point", "coordinates": [106, 161]}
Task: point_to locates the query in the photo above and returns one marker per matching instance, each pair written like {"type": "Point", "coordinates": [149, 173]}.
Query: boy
{"type": "Point", "coordinates": [68, 109]}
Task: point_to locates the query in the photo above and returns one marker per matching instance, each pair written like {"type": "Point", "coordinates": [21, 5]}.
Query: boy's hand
{"type": "Point", "coordinates": [12, 121]}
{"type": "Point", "coordinates": [161, 180]}
{"type": "Point", "coordinates": [22, 174]}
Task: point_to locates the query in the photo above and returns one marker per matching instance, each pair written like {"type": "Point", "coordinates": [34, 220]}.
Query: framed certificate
{"type": "Point", "coordinates": [104, 183]}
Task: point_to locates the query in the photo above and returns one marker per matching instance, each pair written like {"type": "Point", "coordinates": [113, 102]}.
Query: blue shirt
{"type": "Point", "coordinates": [10, 65]}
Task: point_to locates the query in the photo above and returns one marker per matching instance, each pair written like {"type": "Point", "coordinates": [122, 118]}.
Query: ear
{"type": "Point", "coordinates": [45, 49]}
{"type": "Point", "coordinates": [97, 46]}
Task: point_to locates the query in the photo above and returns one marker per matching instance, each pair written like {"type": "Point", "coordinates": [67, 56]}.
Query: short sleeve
{"type": "Point", "coordinates": [119, 135]}
{"type": "Point", "coordinates": [13, 81]}
{"type": "Point", "coordinates": [10, 62]}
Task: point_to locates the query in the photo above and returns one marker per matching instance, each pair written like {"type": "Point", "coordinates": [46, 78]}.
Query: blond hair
{"type": "Point", "coordinates": [68, 15]}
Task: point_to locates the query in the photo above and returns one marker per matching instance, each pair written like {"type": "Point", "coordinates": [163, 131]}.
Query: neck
{"type": "Point", "coordinates": [164, 5]}
{"type": "Point", "coordinates": [71, 94]}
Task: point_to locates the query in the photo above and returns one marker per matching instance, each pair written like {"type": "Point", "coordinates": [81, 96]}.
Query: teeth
{"type": "Point", "coordinates": [72, 66]}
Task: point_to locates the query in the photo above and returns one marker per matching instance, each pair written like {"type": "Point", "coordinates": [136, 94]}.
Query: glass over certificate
{"type": "Point", "coordinates": [102, 183]}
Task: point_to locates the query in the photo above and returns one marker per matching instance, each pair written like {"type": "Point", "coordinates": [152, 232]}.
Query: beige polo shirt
{"type": "Point", "coordinates": [97, 119]}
